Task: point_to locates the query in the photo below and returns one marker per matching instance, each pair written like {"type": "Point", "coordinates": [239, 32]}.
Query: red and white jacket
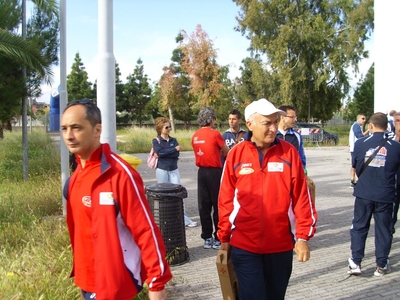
{"type": "Point", "coordinates": [128, 245]}
{"type": "Point", "coordinates": [264, 202]}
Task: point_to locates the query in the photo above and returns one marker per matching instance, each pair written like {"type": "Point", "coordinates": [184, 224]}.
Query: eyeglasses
{"type": "Point", "coordinates": [167, 127]}
{"type": "Point", "coordinates": [80, 101]}
{"type": "Point", "coordinates": [292, 117]}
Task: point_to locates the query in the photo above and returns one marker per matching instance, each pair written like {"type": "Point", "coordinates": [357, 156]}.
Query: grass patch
{"type": "Point", "coordinates": [35, 253]}
{"type": "Point", "coordinates": [342, 131]}
{"type": "Point", "coordinates": [139, 139]}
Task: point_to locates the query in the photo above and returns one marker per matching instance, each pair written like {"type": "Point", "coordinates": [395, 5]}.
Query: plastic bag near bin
{"type": "Point", "coordinates": [166, 203]}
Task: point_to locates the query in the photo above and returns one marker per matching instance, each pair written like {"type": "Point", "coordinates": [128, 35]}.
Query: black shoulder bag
{"type": "Point", "coordinates": [372, 156]}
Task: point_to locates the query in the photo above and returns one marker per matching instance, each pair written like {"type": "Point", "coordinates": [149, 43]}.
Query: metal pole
{"type": "Point", "coordinates": [63, 93]}
{"type": "Point", "coordinates": [106, 71]}
{"type": "Point", "coordinates": [25, 161]}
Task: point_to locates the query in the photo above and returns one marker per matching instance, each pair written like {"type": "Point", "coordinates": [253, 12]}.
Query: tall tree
{"type": "Point", "coordinates": [254, 83]}
{"type": "Point", "coordinates": [43, 29]}
{"type": "Point", "coordinates": [363, 98]}
{"type": "Point", "coordinates": [199, 61]}
{"type": "Point", "coordinates": [226, 100]}
{"type": "Point", "coordinates": [78, 85]}
{"type": "Point", "coordinates": [309, 46]}
{"type": "Point", "coordinates": [175, 86]}
{"type": "Point", "coordinates": [119, 86]}
{"type": "Point", "coordinates": [137, 92]}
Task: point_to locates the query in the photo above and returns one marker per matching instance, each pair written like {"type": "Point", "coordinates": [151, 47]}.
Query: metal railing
{"type": "Point", "coordinates": [311, 135]}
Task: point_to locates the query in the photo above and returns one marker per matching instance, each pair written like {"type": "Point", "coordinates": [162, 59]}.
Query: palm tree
{"type": "Point", "coordinates": [25, 53]}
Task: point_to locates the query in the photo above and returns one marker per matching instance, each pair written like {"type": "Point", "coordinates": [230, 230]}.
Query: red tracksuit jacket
{"type": "Point", "coordinates": [128, 245]}
{"type": "Point", "coordinates": [264, 205]}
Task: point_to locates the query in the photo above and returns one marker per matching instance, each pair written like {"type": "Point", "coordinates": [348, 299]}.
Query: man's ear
{"type": "Point", "coordinates": [97, 128]}
{"type": "Point", "coordinates": [249, 125]}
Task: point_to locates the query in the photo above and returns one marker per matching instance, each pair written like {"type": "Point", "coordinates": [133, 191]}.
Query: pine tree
{"type": "Point", "coordinates": [137, 92]}
{"type": "Point", "coordinates": [78, 86]}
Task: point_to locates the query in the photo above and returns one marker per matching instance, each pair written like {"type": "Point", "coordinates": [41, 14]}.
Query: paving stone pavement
{"type": "Point", "coordinates": [324, 276]}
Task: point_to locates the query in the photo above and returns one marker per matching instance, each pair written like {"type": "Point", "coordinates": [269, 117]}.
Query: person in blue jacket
{"type": "Point", "coordinates": [287, 133]}
{"type": "Point", "coordinates": [356, 132]}
{"type": "Point", "coordinates": [374, 195]}
{"type": "Point", "coordinates": [234, 134]}
{"type": "Point", "coordinates": [167, 149]}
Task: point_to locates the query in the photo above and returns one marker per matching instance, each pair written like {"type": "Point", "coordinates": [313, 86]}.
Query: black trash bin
{"type": "Point", "coordinates": [167, 207]}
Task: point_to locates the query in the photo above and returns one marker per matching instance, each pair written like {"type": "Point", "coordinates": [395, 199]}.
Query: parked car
{"type": "Point", "coordinates": [327, 137]}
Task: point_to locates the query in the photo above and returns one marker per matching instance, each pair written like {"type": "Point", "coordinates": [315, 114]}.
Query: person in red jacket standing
{"type": "Point", "coordinates": [265, 208]}
{"type": "Point", "coordinates": [116, 243]}
{"type": "Point", "coordinates": [208, 145]}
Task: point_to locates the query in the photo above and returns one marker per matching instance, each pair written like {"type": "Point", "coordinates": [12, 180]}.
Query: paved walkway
{"type": "Point", "coordinates": [324, 276]}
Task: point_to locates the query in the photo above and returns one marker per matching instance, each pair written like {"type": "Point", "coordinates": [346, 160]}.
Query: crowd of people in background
{"type": "Point", "coordinates": [253, 199]}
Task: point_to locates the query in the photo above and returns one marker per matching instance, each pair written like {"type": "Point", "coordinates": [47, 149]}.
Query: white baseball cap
{"type": "Point", "coordinates": [263, 107]}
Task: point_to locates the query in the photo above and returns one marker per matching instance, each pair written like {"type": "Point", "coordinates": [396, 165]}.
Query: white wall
{"type": "Point", "coordinates": [387, 60]}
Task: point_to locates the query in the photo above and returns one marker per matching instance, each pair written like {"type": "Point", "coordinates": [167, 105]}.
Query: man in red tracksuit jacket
{"type": "Point", "coordinates": [116, 243]}
{"type": "Point", "coordinates": [265, 208]}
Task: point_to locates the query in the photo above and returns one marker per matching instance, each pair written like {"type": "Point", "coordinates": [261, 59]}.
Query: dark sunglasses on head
{"type": "Point", "coordinates": [167, 127]}
{"type": "Point", "coordinates": [81, 101]}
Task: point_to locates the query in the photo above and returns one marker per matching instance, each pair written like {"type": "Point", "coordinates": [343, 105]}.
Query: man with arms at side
{"type": "Point", "coordinates": [287, 133]}
{"type": "Point", "coordinates": [265, 209]}
{"type": "Point", "coordinates": [235, 134]}
{"type": "Point", "coordinates": [208, 145]}
{"type": "Point", "coordinates": [356, 132]}
{"type": "Point", "coordinates": [374, 194]}
{"type": "Point", "coordinates": [115, 242]}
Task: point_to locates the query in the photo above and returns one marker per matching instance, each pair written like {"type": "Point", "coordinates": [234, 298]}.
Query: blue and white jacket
{"type": "Point", "coordinates": [377, 182]}
{"type": "Point", "coordinates": [293, 137]}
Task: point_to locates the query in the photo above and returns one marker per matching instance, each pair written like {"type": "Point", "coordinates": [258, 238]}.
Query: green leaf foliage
{"type": "Point", "coordinates": [363, 98]}
{"type": "Point", "coordinates": [308, 46]}
{"type": "Point", "coordinates": [137, 92]}
{"type": "Point", "coordinates": [78, 85]}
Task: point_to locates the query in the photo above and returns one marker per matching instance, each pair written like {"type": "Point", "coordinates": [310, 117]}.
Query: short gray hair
{"type": "Point", "coordinates": [206, 115]}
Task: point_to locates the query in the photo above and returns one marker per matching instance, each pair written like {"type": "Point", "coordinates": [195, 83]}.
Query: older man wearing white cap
{"type": "Point", "coordinates": [265, 208]}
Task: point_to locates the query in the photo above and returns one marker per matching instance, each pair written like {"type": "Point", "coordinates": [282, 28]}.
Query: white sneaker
{"type": "Point", "coordinates": [382, 271]}
{"type": "Point", "coordinates": [353, 268]}
{"type": "Point", "coordinates": [192, 224]}
{"type": "Point", "coordinates": [208, 243]}
{"type": "Point", "coordinates": [216, 245]}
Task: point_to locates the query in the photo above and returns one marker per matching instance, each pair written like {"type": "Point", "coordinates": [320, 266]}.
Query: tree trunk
{"type": "Point", "coordinates": [171, 118]}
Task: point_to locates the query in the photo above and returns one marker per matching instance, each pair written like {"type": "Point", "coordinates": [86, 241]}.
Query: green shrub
{"type": "Point", "coordinates": [44, 159]}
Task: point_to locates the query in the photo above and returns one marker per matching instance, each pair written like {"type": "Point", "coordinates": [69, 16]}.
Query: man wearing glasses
{"type": "Point", "coordinates": [265, 209]}
{"type": "Point", "coordinates": [356, 133]}
{"type": "Point", "coordinates": [116, 244]}
{"type": "Point", "coordinates": [287, 133]}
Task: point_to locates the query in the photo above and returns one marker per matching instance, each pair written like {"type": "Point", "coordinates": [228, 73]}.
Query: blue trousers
{"type": "Point", "coordinates": [262, 276]}
{"type": "Point", "coordinates": [88, 295]}
{"type": "Point", "coordinates": [363, 211]}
